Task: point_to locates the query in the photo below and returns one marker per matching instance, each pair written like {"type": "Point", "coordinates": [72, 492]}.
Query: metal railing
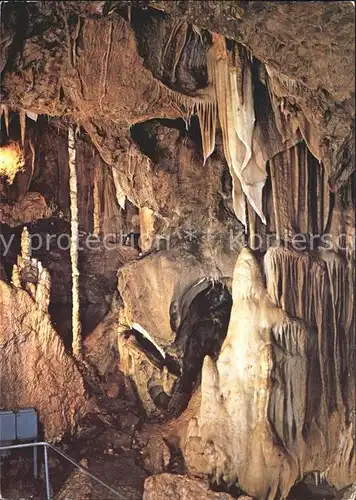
{"type": "Point", "coordinates": [64, 455]}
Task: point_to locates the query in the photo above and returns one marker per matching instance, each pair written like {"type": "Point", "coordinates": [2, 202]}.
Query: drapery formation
{"type": "Point", "coordinates": [277, 403]}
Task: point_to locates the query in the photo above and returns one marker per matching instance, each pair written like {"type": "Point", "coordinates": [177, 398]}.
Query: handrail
{"type": "Point", "coordinates": [64, 455]}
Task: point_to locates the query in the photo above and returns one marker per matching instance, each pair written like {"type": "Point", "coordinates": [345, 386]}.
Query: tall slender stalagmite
{"type": "Point", "coordinates": [76, 327]}
{"type": "Point", "coordinates": [96, 199]}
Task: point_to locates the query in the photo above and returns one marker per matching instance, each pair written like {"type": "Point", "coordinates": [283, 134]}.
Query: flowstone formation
{"type": "Point", "coordinates": [177, 195]}
{"type": "Point", "coordinates": [271, 406]}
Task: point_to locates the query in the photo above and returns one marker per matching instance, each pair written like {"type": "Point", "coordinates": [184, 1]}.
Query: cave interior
{"type": "Point", "coordinates": [177, 229]}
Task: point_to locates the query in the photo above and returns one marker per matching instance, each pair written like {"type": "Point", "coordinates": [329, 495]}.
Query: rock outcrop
{"type": "Point", "coordinates": [178, 487]}
{"type": "Point", "coordinates": [35, 369]}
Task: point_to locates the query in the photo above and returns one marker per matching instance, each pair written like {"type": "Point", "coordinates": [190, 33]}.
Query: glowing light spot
{"type": "Point", "coordinates": [11, 160]}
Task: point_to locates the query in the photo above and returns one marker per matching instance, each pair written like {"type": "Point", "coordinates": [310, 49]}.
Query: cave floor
{"type": "Point", "coordinates": [105, 445]}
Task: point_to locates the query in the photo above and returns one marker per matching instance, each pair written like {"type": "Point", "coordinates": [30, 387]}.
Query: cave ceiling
{"type": "Point", "coordinates": [64, 63]}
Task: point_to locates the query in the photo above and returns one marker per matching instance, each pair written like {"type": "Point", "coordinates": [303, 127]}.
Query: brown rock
{"type": "Point", "coordinates": [177, 487]}
{"type": "Point", "coordinates": [148, 297]}
{"type": "Point", "coordinates": [35, 369]}
{"type": "Point", "coordinates": [156, 455]}
{"type": "Point", "coordinates": [32, 207]}
{"type": "Point", "coordinates": [113, 390]}
{"type": "Point", "coordinates": [129, 420]}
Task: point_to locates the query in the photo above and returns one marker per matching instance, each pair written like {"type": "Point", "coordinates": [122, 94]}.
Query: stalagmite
{"type": "Point", "coordinates": [76, 326]}
{"type": "Point", "coordinates": [15, 277]}
{"type": "Point", "coordinates": [270, 411]}
{"type": "Point", "coordinates": [25, 246]}
{"type": "Point", "coordinates": [43, 290]}
{"type": "Point", "coordinates": [96, 202]}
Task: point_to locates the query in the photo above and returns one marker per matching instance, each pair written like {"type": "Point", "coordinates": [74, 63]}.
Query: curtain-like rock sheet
{"type": "Point", "coordinates": [301, 197]}
{"type": "Point", "coordinates": [271, 409]}
{"type": "Point", "coordinates": [253, 129]}
{"type": "Point", "coordinates": [110, 199]}
{"type": "Point", "coordinates": [237, 119]}
{"type": "Point", "coordinates": [324, 298]}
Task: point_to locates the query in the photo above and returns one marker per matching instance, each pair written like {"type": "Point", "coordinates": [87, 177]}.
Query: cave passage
{"type": "Point", "coordinates": [177, 246]}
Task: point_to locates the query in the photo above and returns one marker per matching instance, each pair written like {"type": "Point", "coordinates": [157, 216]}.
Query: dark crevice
{"type": "Point", "coordinates": [201, 333]}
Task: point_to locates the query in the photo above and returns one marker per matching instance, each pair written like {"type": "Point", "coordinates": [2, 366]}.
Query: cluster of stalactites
{"type": "Point", "coordinates": [4, 110]}
{"type": "Point", "coordinates": [229, 97]}
{"type": "Point", "coordinates": [12, 157]}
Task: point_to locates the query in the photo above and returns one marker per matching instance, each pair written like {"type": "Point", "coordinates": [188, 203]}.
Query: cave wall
{"type": "Point", "coordinates": [203, 127]}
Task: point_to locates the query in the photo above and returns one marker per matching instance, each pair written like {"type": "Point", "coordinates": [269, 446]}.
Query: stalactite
{"type": "Point", "coordinates": [4, 110]}
{"type": "Point", "coordinates": [23, 125]}
{"type": "Point", "coordinates": [182, 39]}
{"type": "Point", "coordinates": [207, 115]}
{"type": "Point", "coordinates": [31, 115]}
{"type": "Point", "coordinates": [73, 190]}
{"type": "Point", "coordinates": [106, 64]}
{"type": "Point", "coordinates": [66, 26]}
{"type": "Point", "coordinates": [237, 119]}
{"type": "Point", "coordinates": [322, 298]}
{"type": "Point", "coordinates": [198, 32]}
{"type": "Point", "coordinates": [120, 194]}
{"type": "Point", "coordinates": [33, 159]}
{"type": "Point", "coordinates": [295, 174]}
{"type": "Point", "coordinates": [112, 220]}
{"type": "Point", "coordinates": [74, 43]}
{"type": "Point", "coordinates": [177, 26]}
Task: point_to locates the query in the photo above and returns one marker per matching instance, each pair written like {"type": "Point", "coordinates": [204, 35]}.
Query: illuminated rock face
{"type": "Point", "coordinates": [35, 369]}
{"type": "Point", "coordinates": [218, 118]}
{"type": "Point", "coordinates": [11, 160]}
{"type": "Point", "coordinates": [266, 416]}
